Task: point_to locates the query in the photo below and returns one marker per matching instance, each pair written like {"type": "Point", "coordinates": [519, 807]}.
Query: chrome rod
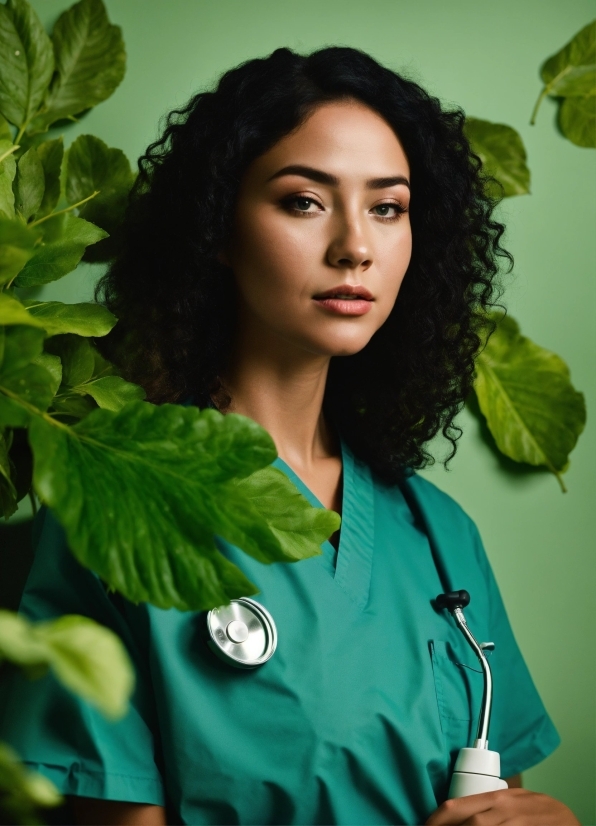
{"type": "Point", "coordinates": [481, 741]}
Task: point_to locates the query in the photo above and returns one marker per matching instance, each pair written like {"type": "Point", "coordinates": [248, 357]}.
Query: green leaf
{"type": "Point", "coordinates": [13, 312]}
{"type": "Point", "coordinates": [54, 367]}
{"type": "Point", "coordinates": [572, 70]}
{"type": "Point", "coordinates": [26, 61]}
{"type": "Point", "coordinates": [50, 154]}
{"type": "Point", "coordinates": [64, 242]}
{"type": "Point", "coordinates": [8, 492]}
{"type": "Point", "coordinates": [87, 658]}
{"type": "Point", "coordinates": [530, 405]}
{"type": "Point", "coordinates": [29, 184]}
{"type": "Point", "coordinates": [17, 246]}
{"type": "Point", "coordinates": [84, 319]}
{"type": "Point", "coordinates": [112, 392]}
{"type": "Point", "coordinates": [22, 791]}
{"type": "Point", "coordinates": [76, 355]}
{"type": "Point", "coordinates": [292, 521]}
{"type": "Point", "coordinates": [20, 378]}
{"type": "Point", "coordinates": [577, 119]}
{"type": "Point", "coordinates": [92, 166]}
{"type": "Point", "coordinates": [179, 467]}
{"type": "Point", "coordinates": [5, 131]}
{"type": "Point", "coordinates": [90, 62]}
{"type": "Point", "coordinates": [8, 170]}
{"type": "Point", "coordinates": [570, 74]}
{"type": "Point", "coordinates": [503, 156]}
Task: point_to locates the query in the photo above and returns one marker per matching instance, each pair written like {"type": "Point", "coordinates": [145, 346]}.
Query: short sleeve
{"type": "Point", "coordinates": [58, 734]}
{"type": "Point", "coordinates": [521, 729]}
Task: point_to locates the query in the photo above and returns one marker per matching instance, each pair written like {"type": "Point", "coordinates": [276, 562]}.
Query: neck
{"type": "Point", "coordinates": [282, 387]}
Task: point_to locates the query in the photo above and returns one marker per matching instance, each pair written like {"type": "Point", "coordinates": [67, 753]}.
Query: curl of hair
{"type": "Point", "coordinates": [174, 299]}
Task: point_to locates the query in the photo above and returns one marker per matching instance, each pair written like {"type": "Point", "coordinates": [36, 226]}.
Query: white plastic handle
{"type": "Point", "coordinates": [476, 771]}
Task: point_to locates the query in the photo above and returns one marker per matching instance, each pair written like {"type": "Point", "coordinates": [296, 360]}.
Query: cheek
{"type": "Point", "coordinates": [270, 261]}
{"type": "Point", "coordinates": [393, 264]}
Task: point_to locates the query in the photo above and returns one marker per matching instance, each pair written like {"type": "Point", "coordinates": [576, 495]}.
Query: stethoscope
{"type": "Point", "coordinates": [243, 634]}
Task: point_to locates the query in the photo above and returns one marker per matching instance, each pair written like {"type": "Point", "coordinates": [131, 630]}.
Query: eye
{"type": "Point", "coordinates": [300, 204]}
{"type": "Point", "coordinates": [389, 211]}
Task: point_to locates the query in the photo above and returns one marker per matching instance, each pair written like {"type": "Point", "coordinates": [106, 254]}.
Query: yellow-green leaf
{"type": "Point", "coordinates": [526, 395]}
{"type": "Point", "coordinates": [26, 61]}
{"type": "Point", "coordinates": [23, 791]}
{"type": "Point", "coordinates": [17, 246]}
{"type": "Point", "coordinates": [112, 392]}
{"type": "Point", "coordinates": [503, 156]}
{"type": "Point", "coordinates": [577, 119]}
{"type": "Point", "coordinates": [12, 311]}
{"type": "Point", "coordinates": [29, 184]}
{"type": "Point", "coordinates": [85, 319]}
{"type": "Point", "coordinates": [87, 658]}
{"type": "Point", "coordinates": [65, 238]}
{"type": "Point", "coordinates": [90, 62]}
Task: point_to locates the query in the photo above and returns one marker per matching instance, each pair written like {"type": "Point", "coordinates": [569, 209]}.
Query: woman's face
{"type": "Point", "coordinates": [322, 236]}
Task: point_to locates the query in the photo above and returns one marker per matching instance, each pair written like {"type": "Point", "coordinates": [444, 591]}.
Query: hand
{"type": "Point", "coordinates": [516, 807]}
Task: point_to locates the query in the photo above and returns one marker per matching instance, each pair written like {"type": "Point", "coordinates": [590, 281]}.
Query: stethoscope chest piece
{"type": "Point", "coordinates": [242, 634]}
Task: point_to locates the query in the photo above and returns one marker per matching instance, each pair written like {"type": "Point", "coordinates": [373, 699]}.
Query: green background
{"type": "Point", "coordinates": [485, 58]}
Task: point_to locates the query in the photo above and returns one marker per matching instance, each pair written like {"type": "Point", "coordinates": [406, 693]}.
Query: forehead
{"type": "Point", "coordinates": [344, 138]}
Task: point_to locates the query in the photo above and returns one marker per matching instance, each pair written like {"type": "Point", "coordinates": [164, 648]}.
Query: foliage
{"type": "Point", "coordinates": [503, 156]}
{"type": "Point", "coordinates": [84, 656]}
{"type": "Point", "coordinates": [531, 407]}
{"type": "Point", "coordinates": [570, 76]}
{"type": "Point", "coordinates": [23, 791]}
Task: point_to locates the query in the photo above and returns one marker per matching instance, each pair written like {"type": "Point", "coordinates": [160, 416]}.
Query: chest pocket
{"type": "Point", "coordinates": [458, 686]}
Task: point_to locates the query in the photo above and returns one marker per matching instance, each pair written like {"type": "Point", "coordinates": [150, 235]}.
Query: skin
{"type": "Point", "coordinates": [297, 235]}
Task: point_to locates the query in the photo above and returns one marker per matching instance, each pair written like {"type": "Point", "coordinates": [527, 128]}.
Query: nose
{"type": "Point", "coordinates": [349, 248]}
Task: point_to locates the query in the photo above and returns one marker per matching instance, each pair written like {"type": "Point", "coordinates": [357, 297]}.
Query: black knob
{"type": "Point", "coordinates": [452, 600]}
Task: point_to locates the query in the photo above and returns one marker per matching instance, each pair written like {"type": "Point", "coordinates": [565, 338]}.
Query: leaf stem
{"type": "Point", "coordinates": [62, 211]}
{"type": "Point", "coordinates": [32, 409]}
{"type": "Point", "coordinates": [541, 97]}
{"type": "Point", "coordinates": [9, 152]}
{"type": "Point", "coordinates": [33, 502]}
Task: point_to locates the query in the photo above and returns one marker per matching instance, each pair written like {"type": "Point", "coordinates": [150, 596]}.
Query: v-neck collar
{"type": "Point", "coordinates": [353, 559]}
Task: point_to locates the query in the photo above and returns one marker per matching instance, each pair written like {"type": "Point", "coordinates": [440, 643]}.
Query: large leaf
{"type": "Point", "coordinates": [64, 242]}
{"type": "Point", "coordinates": [571, 74]}
{"type": "Point", "coordinates": [26, 61]}
{"type": "Point", "coordinates": [86, 657]}
{"type": "Point", "coordinates": [503, 156]}
{"type": "Point", "coordinates": [12, 311]}
{"type": "Point", "coordinates": [90, 62]}
{"type": "Point", "coordinates": [50, 154]}
{"type": "Point", "coordinates": [572, 70]}
{"type": "Point", "coordinates": [22, 791]}
{"type": "Point", "coordinates": [22, 379]}
{"type": "Point", "coordinates": [29, 184]}
{"type": "Point", "coordinates": [531, 407]}
{"type": "Point", "coordinates": [77, 357]}
{"type": "Point", "coordinates": [84, 319]}
{"type": "Point", "coordinates": [112, 392]}
{"type": "Point", "coordinates": [5, 131]}
{"type": "Point", "coordinates": [54, 367]}
{"type": "Point", "coordinates": [151, 535]}
{"type": "Point", "coordinates": [577, 119]}
{"type": "Point", "coordinates": [17, 246]}
{"type": "Point", "coordinates": [92, 166]}
{"type": "Point", "coordinates": [8, 169]}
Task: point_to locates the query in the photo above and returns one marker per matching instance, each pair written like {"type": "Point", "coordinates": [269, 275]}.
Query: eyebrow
{"type": "Point", "coordinates": [330, 180]}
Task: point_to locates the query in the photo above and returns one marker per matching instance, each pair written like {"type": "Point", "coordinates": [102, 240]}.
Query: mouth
{"type": "Point", "coordinates": [346, 292]}
{"type": "Point", "coordinates": [346, 300]}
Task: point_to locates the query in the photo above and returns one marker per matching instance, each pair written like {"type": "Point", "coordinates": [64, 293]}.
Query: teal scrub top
{"type": "Point", "coordinates": [356, 719]}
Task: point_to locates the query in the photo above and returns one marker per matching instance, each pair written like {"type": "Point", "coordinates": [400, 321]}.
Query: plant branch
{"type": "Point", "coordinates": [62, 211]}
{"type": "Point", "coordinates": [541, 97]}
{"type": "Point", "coordinates": [32, 409]}
{"type": "Point", "coordinates": [9, 152]}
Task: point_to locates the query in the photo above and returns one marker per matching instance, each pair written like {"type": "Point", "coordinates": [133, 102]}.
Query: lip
{"type": "Point", "coordinates": [331, 301]}
{"type": "Point", "coordinates": [346, 289]}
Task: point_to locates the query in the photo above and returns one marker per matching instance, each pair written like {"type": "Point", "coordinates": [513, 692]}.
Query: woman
{"type": "Point", "coordinates": [309, 245]}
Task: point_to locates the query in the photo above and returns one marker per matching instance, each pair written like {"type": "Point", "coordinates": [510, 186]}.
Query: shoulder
{"type": "Point", "coordinates": [437, 506]}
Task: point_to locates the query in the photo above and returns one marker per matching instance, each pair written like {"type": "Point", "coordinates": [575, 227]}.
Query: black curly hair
{"type": "Point", "coordinates": [172, 297]}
